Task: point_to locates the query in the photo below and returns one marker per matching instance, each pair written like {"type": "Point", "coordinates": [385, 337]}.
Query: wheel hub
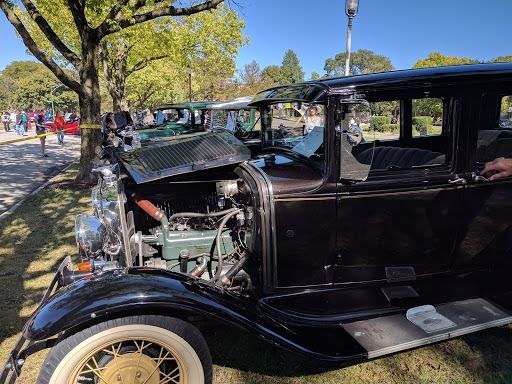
{"type": "Point", "coordinates": [131, 368]}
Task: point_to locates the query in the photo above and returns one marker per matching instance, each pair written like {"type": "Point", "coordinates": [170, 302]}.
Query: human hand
{"type": "Point", "coordinates": [498, 169]}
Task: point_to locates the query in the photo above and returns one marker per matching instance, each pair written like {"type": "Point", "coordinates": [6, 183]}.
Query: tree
{"type": "Point", "coordinates": [362, 61]}
{"type": "Point", "coordinates": [252, 80]}
{"type": "Point", "coordinates": [94, 21]}
{"type": "Point", "coordinates": [435, 59]}
{"type": "Point", "coordinates": [30, 88]}
{"type": "Point", "coordinates": [290, 71]}
{"type": "Point", "coordinates": [272, 73]}
{"type": "Point", "coordinates": [315, 76]}
{"type": "Point", "coordinates": [502, 59]}
{"type": "Point", "coordinates": [210, 39]}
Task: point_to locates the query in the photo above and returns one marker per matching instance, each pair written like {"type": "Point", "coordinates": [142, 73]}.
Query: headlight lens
{"type": "Point", "coordinates": [90, 235]}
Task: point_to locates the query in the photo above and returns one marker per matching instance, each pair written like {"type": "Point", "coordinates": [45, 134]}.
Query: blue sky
{"type": "Point", "coordinates": [403, 30]}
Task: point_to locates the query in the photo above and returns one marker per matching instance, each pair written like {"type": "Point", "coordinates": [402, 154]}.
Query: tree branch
{"type": "Point", "coordinates": [77, 10]}
{"type": "Point", "coordinates": [104, 29]}
{"type": "Point", "coordinates": [36, 51]}
{"type": "Point", "coordinates": [50, 34]}
{"type": "Point", "coordinates": [143, 63]}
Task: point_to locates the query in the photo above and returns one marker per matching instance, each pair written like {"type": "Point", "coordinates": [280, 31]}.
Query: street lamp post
{"type": "Point", "coordinates": [189, 83]}
{"type": "Point", "coordinates": [52, 89]}
{"type": "Point", "coordinates": [351, 9]}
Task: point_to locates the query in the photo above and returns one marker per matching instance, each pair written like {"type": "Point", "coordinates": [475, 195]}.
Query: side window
{"type": "Point", "coordinates": [427, 117]}
{"type": "Point", "coordinates": [409, 133]}
{"type": "Point", "coordinates": [384, 122]}
{"type": "Point", "coordinates": [494, 137]}
{"type": "Point", "coordinates": [506, 112]}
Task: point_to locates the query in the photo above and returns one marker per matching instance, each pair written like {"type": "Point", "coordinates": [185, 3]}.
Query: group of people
{"type": "Point", "coordinates": [19, 120]}
{"type": "Point", "coordinates": [21, 124]}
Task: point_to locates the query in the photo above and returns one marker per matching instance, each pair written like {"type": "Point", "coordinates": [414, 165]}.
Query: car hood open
{"type": "Point", "coordinates": [183, 154]}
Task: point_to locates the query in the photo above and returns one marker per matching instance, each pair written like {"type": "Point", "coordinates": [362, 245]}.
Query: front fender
{"type": "Point", "coordinates": [134, 288]}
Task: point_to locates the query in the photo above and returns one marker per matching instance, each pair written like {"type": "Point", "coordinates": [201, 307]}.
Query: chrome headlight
{"type": "Point", "coordinates": [90, 235]}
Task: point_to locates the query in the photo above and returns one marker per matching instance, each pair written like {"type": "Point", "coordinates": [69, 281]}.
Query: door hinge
{"type": "Point", "coordinates": [338, 201]}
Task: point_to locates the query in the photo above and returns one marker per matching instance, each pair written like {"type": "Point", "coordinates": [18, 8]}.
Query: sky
{"type": "Point", "coordinates": [402, 30]}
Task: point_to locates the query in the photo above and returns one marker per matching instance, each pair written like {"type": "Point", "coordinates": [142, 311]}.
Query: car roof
{"type": "Point", "coordinates": [317, 90]}
{"type": "Point", "coordinates": [193, 105]}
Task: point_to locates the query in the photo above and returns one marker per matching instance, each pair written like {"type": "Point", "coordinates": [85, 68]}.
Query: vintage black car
{"type": "Point", "coordinates": [361, 229]}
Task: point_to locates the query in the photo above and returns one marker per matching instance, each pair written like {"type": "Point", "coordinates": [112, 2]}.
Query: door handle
{"type": "Point", "coordinates": [478, 178]}
{"type": "Point", "coordinates": [458, 180]}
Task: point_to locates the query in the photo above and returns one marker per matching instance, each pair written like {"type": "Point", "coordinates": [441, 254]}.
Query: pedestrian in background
{"type": "Point", "coordinates": [13, 119]}
{"type": "Point", "coordinates": [6, 119]}
{"type": "Point", "coordinates": [41, 130]}
{"type": "Point", "coordinates": [59, 124]}
{"type": "Point", "coordinates": [19, 123]}
{"type": "Point", "coordinates": [25, 121]}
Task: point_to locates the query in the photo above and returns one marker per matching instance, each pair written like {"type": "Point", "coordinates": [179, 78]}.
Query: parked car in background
{"type": "Point", "coordinates": [71, 126]}
{"type": "Point", "coordinates": [337, 242]}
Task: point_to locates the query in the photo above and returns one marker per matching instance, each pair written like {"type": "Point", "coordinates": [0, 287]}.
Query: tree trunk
{"type": "Point", "coordinates": [90, 110]}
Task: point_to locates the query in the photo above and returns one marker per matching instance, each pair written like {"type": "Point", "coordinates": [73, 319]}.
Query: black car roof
{"type": "Point", "coordinates": [316, 90]}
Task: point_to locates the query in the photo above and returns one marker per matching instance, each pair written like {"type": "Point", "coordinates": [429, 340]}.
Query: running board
{"type": "Point", "coordinates": [389, 334]}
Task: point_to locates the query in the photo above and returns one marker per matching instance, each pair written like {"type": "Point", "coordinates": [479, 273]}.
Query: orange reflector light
{"type": "Point", "coordinates": [84, 266]}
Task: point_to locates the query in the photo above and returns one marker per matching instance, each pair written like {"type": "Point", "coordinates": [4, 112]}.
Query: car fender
{"type": "Point", "coordinates": [150, 290]}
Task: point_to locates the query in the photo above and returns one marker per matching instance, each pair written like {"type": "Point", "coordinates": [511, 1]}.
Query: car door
{"type": "Point", "coordinates": [400, 224]}
{"type": "Point", "coordinates": [486, 233]}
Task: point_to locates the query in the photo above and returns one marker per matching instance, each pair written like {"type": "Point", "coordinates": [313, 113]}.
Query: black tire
{"type": "Point", "coordinates": [113, 347]}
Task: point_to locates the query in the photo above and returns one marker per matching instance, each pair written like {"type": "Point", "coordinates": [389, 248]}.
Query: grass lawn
{"type": "Point", "coordinates": [37, 236]}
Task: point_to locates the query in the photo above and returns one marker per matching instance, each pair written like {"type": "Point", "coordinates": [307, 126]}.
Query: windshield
{"type": "Point", "coordinates": [296, 126]}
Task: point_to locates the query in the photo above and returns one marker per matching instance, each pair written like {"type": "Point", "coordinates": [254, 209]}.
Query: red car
{"type": "Point", "coordinates": [69, 127]}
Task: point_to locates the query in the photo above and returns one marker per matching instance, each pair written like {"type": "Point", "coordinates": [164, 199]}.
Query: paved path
{"type": "Point", "coordinates": [23, 170]}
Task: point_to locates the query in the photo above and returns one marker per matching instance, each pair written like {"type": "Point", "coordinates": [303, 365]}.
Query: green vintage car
{"type": "Point", "coordinates": [176, 119]}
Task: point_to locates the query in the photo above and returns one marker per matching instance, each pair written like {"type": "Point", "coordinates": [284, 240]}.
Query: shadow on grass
{"type": "Point", "coordinates": [483, 357]}
{"type": "Point", "coordinates": [33, 242]}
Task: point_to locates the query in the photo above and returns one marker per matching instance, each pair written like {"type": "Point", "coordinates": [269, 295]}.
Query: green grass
{"type": "Point", "coordinates": [37, 236]}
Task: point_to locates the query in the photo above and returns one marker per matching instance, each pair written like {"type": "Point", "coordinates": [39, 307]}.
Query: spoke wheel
{"type": "Point", "coordinates": [151, 362]}
{"type": "Point", "coordinates": [151, 350]}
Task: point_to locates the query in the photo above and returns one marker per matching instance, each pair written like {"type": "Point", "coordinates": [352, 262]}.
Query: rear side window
{"type": "Point", "coordinates": [494, 137]}
{"type": "Point", "coordinates": [427, 117]}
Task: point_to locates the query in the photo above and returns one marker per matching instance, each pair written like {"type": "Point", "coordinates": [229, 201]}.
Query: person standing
{"type": "Point", "coordinates": [41, 130]}
{"type": "Point", "coordinates": [13, 119]}
{"type": "Point", "coordinates": [6, 119]}
{"type": "Point", "coordinates": [59, 124]}
{"type": "Point", "coordinates": [19, 123]}
{"type": "Point", "coordinates": [25, 121]}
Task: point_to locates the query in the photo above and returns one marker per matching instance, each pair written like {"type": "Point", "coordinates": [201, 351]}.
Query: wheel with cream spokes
{"type": "Point", "coordinates": [130, 350]}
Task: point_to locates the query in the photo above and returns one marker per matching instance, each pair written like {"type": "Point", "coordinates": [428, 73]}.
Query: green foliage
{"type": "Point", "coordinates": [385, 108]}
{"type": "Point", "coordinates": [31, 83]}
{"type": "Point", "coordinates": [315, 76]}
{"type": "Point", "coordinates": [362, 61]}
{"type": "Point", "coordinates": [502, 59]}
{"type": "Point", "coordinates": [252, 80]}
{"type": "Point", "coordinates": [428, 107]}
{"type": "Point", "coordinates": [435, 59]}
{"type": "Point", "coordinates": [421, 121]}
{"type": "Point", "coordinates": [271, 72]}
{"type": "Point", "coordinates": [393, 128]}
{"type": "Point", "coordinates": [380, 121]}
{"type": "Point", "coordinates": [291, 71]}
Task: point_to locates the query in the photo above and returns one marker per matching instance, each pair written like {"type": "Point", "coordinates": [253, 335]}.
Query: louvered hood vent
{"type": "Point", "coordinates": [183, 154]}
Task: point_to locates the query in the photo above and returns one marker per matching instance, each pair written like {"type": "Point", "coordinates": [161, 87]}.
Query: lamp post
{"type": "Point", "coordinates": [52, 89]}
{"type": "Point", "coordinates": [351, 9]}
{"type": "Point", "coordinates": [189, 83]}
